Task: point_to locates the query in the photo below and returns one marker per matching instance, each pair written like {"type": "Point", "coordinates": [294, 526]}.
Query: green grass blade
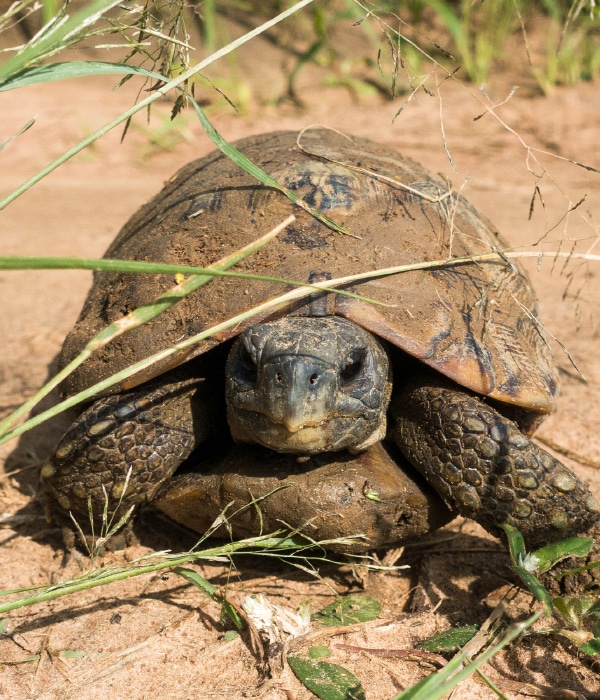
{"type": "Point", "coordinates": [140, 316]}
{"type": "Point", "coordinates": [273, 544]}
{"type": "Point", "coordinates": [281, 301]}
{"type": "Point", "coordinates": [22, 130]}
{"type": "Point", "coordinates": [72, 69]}
{"type": "Point", "coordinates": [252, 169]}
{"type": "Point", "coordinates": [55, 36]}
{"type": "Point", "coordinates": [110, 574]}
{"type": "Point", "coordinates": [143, 104]}
{"type": "Point", "coordinates": [269, 305]}
{"type": "Point", "coordinates": [24, 262]}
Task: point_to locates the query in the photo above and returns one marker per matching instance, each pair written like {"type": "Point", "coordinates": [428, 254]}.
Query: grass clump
{"type": "Point", "coordinates": [365, 47]}
{"type": "Point", "coordinates": [555, 42]}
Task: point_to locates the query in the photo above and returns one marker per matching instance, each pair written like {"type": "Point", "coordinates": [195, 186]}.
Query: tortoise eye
{"type": "Point", "coordinates": [247, 360]}
{"type": "Point", "coordinates": [353, 365]}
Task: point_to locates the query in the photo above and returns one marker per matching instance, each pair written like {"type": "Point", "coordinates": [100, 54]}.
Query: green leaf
{"type": "Point", "coordinates": [575, 609]}
{"type": "Point", "coordinates": [516, 544]}
{"type": "Point", "coordinates": [199, 581]}
{"type": "Point", "coordinates": [592, 647]}
{"type": "Point", "coordinates": [349, 610]}
{"type": "Point", "coordinates": [212, 592]}
{"type": "Point", "coordinates": [549, 555]}
{"type": "Point", "coordinates": [450, 640]}
{"type": "Point", "coordinates": [5, 625]}
{"type": "Point", "coordinates": [320, 651]}
{"type": "Point", "coordinates": [26, 660]}
{"type": "Point", "coordinates": [594, 610]}
{"type": "Point", "coordinates": [555, 552]}
{"type": "Point", "coordinates": [327, 681]}
{"type": "Point", "coordinates": [571, 608]}
{"type": "Point", "coordinates": [535, 587]}
{"type": "Point", "coordinates": [72, 69]}
{"type": "Point", "coordinates": [70, 654]}
{"type": "Point", "coordinates": [518, 553]}
{"type": "Point", "coordinates": [230, 635]}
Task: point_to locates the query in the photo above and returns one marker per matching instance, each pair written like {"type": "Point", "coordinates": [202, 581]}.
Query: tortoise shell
{"type": "Point", "coordinates": [474, 322]}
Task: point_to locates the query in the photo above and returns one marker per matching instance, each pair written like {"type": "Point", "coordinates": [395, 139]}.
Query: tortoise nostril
{"type": "Point", "coordinates": [279, 377]}
{"type": "Point", "coordinates": [314, 378]}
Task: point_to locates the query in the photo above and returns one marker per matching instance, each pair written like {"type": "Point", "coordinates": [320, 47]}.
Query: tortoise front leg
{"type": "Point", "coordinates": [484, 467]}
{"type": "Point", "coordinates": [122, 448]}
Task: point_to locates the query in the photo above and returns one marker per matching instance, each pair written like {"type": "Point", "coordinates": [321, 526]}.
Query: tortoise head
{"type": "Point", "coordinates": [308, 385]}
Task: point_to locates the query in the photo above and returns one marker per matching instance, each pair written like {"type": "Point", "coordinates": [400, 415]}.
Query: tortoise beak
{"type": "Point", "coordinates": [299, 391]}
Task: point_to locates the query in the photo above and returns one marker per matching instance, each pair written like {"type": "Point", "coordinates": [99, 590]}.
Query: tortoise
{"type": "Point", "coordinates": [384, 419]}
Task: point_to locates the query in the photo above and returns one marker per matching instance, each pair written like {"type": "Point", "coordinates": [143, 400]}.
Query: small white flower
{"type": "Point", "coordinates": [294, 623]}
{"type": "Point", "coordinates": [529, 562]}
{"type": "Point", "coordinates": [277, 620]}
{"type": "Point", "coordinates": [259, 610]}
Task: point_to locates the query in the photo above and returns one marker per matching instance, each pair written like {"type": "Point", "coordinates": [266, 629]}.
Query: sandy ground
{"type": "Point", "coordinates": [157, 636]}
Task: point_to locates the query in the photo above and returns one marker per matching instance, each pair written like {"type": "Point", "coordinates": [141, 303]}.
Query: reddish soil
{"type": "Point", "coordinates": [157, 636]}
